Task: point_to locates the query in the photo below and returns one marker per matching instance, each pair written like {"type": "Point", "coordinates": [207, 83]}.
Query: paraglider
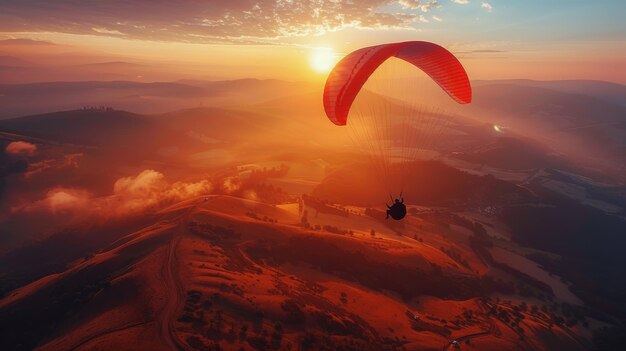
{"type": "Point", "coordinates": [391, 135]}
{"type": "Point", "coordinates": [397, 210]}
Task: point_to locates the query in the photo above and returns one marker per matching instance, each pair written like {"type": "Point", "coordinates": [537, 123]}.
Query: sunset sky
{"type": "Point", "coordinates": [495, 39]}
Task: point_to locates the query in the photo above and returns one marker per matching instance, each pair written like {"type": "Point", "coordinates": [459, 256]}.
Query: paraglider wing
{"type": "Point", "coordinates": [349, 75]}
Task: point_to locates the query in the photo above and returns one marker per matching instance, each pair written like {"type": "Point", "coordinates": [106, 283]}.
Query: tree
{"type": "Point", "coordinates": [343, 298]}
{"type": "Point", "coordinates": [243, 332]}
{"type": "Point", "coordinates": [304, 220]}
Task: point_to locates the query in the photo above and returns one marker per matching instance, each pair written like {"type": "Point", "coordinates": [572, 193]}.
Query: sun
{"type": "Point", "coordinates": [322, 59]}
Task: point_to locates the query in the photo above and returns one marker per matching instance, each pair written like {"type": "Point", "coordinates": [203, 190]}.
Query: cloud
{"type": "Point", "coordinates": [437, 18]}
{"type": "Point", "coordinates": [58, 200]}
{"type": "Point", "coordinates": [231, 184]}
{"type": "Point", "coordinates": [65, 199]}
{"type": "Point", "coordinates": [25, 42]}
{"type": "Point", "coordinates": [148, 190]}
{"type": "Point", "coordinates": [111, 32]}
{"type": "Point", "coordinates": [240, 21]}
{"type": "Point", "coordinates": [421, 5]}
{"type": "Point", "coordinates": [462, 2]}
{"type": "Point", "coordinates": [20, 148]}
{"type": "Point", "coordinates": [145, 182]}
{"type": "Point", "coordinates": [487, 51]}
{"type": "Point", "coordinates": [487, 6]}
{"type": "Point", "coordinates": [423, 19]}
{"type": "Point", "coordinates": [480, 51]}
{"type": "Point", "coordinates": [67, 161]}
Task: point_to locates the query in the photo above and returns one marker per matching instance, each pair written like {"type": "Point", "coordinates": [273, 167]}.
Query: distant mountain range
{"type": "Point", "coordinates": [609, 91]}
{"type": "Point", "coordinates": [523, 97]}
{"type": "Point", "coordinates": [12, 61]}
{"type": "Point", "coordinates": [554, 113]}
{"type": "Point", "coordinates": [158, 97]}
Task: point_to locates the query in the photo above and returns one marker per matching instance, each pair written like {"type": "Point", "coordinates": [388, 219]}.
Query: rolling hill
{"type": "Point", "coordinates": [88, 127]}
{"type": "Point", "coordinates": [140, 97]}
{"type": "Point", "coordinates": [608, 91]}
{"type": "Point", "coordinates": [206, 273]}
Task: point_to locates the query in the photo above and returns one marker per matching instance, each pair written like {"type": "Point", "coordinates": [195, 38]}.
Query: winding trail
{"type": "Point", "coordinates": [174, 290]}
{"type": "Point", "coordinates": [174, 296]}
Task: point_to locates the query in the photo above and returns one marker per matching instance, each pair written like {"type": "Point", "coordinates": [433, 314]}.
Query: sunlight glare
{"type": "Point", "coordinates": [322, 59]}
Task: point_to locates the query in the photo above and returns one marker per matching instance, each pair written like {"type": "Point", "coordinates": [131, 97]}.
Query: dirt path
{"type": "Point", "coordinates": [174, 290]}
{"type": "Point", "coordinates": [174, 296]}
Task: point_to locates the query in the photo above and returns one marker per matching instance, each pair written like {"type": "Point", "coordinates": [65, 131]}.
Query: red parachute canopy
{"type": "Point", "coordinates": [348, 76]}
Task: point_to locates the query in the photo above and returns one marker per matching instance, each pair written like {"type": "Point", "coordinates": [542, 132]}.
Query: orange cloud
{"type": "Point", "coordinates": [149, 190]}
{"type": "Point", "coordinates": [219, 21]}
{"type": "Point", "coordinates": [64, 199]}
{"type": "Point", "coordinates": [69, 160]}
{"type": "Point", "coordinates": [21, 148]}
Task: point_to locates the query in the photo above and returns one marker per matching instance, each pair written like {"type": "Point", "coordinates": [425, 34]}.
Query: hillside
{"type": "Point", "coordinates": [207, 272]}
{"type": "Point", "coordinates": [24, 99]}
{"type": "Point", "coordinates": [608, 91]}
{"type": "Point", "coordinates": [136, 96]}
{"type": "Point", "coordinates": [498, 154]}
{"type": "Point", "coordinates": [423, 183]}
{"type": "Point", "coordinates": [106, 127]}
{"type": "Point", "coordinates": [88, 127]}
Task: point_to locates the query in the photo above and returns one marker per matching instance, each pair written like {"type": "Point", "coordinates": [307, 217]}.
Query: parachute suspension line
{"type": "Point", "coordinates": [385, 148]}
{"type": "Point", "coordinates": [403, 150]}
{"type": "Point", "coordinates": [413, 120]}
{"type": "Point", "coordinates": [390, 138]}
{"type": "Point", "coordinates": [394, 140]}
{"type": "Point", "coordinates": [371, 126]}
{"type": "Point", "coordinates": [385, 133]}
{"type": "Point", "coordinates": [366, 135]}
{"type": "Point", "coordinates": [360, 136]}
{"type": "Point", "coordinates": [400, 128]}
{"type": "Point", "coordinates": [391, 117]}
{"type": "Point", "coordinates": [412, 117]}
{"type": "Point", "coordinates": [376, 148]}
{"type": "Point", "coordinates": [411, 141]}
{"type": "Point", "coordinates": [404, 142]}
